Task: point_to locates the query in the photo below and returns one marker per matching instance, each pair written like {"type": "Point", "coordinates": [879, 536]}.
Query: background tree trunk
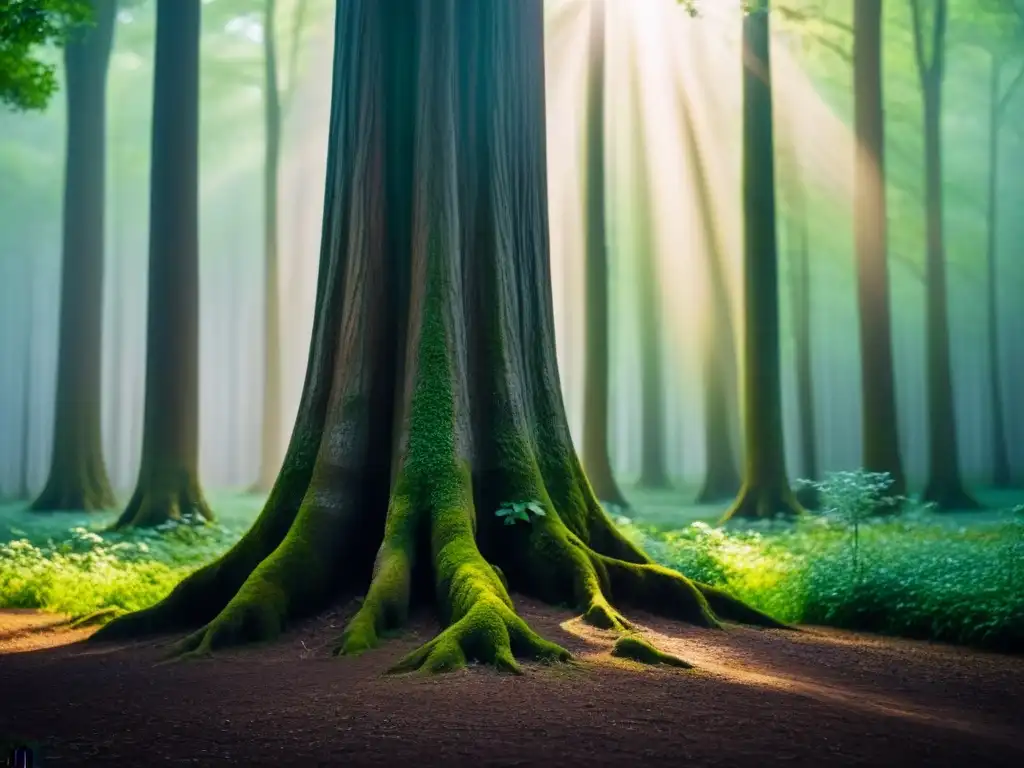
{"type": "Point", "coordinates": [800, 297]}
{"type": "Point", "coordinates": [765, 492]}
{"type": "Point", "coordinates": [653, 473]}
{"type": "Point", "coordinates": [270, 438]}
{"type": "Point", "coordinates": [596, 313]}
{"type": "Point", "coordinates": [168, 485]}
{"type": "Point", "coordinates": [944, 487]}
{"type": "Point", "coordinates": [78, 476]}
{"type": "Point", "coordinates": [1001, 473]}
{"type": "Point", "coordinates": [721, 477]}
{"type": "Point", "coordinates": [24, 492]}
{"type": "Point", "coordinates": [880, 425]}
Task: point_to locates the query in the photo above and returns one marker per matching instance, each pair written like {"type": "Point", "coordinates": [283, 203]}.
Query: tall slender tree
{"type": "Point", "coordinates": [432, 404]}
{"type": "Point", "coordinates": [168, 484]}
{"type": "Point", "coordinates": [653, 472]}
{"type": "Point", "coordinates": [879, 425]}
{"type": "Point", "coordinates": [944, 487]}
{"type": "Point", "coordinates": [999, 101]}
{"type": "Point", "coordinates": [597, 317]}
{"type": "Point", "coordinates": [78, 475]}
{"type": "Point", "coordinates": [765, 491]}
{"type": "Point", "coordinates": [721, 476]}
{"type": "Point", "coordinates": [800, 312]}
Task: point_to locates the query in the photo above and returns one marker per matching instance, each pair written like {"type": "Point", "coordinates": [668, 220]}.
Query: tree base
{"type": "Point", "coordinates": [808, 497]}
{"type": "Point", "coordinates": [754, 503]}
{"type": "Point", "coordinates": [149, 508]}
{"type": "Point", "coordinates": [87, 494]}
{"type": "Point", "coordinates": [950, 498]}
{"type": "Point", "coordinates": [718, 487]}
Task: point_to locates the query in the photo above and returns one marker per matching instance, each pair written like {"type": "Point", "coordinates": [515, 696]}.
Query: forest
{"type": "Point", "coordinates": [504, 382]}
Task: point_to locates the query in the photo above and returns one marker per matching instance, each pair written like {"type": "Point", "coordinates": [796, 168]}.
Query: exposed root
{"type": "Point", "coordinates": [97, 618]}
{"type": "Point", "coordinates": [733, 609]}
{"type": "Point", "coordinates": [638, 649]}
{"type": "Point", "coordinates": [491, 633]}
{"type": "Point", "coordinates": [386, 605]}
{"type": "Point", "coordinates": [295, 577]}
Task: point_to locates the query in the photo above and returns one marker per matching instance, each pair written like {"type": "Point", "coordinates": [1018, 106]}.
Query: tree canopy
{"type": "Point", "coordinates": [27, 74]}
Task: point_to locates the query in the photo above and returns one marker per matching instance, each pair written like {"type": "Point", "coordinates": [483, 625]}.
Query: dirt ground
{"type": "Point", "coordinates": [755, 698]}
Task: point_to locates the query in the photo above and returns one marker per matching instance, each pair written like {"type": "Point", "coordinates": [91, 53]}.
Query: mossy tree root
{"type": "Point", "coordinates": [637, 649]}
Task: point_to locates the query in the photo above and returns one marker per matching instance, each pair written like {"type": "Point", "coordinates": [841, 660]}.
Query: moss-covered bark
{"type": "Point", "coordinates": [880, 427]}
{"type": "Point", "coordinates": [596, 315]}
{"type": "Point", "coordinates": [168, 484]}
{"type": "Point", "coordinates": [78, 476]}
{"type": "Point", "coordinates": [432, 394]}
{"type": "Point", "coordinates": [765, 491]}
{"type": "Point", "coordinates": [944, 487]}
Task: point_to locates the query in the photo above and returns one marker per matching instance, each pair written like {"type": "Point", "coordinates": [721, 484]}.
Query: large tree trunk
{"type": "Point", "coordinates": [78, 476]}
{"type": "Point", "coordinates": [653, 473]}
{"type": "Point", "coordinates": [879, 425]}
{"type": "Point", "coordinates": [721, 477]}
{"type": "Point", "coordinates": [168, 485]}
{"type": "Point", "coordinates": [596, 313]}
{"type": "Point", "coordinates": [270, 438]}
{"type": "Point", "coordinates": [432, 396]}
{"type": "Point", "coordinates": [1001, 473]}
{"type": "Point", "coordinates": [765, 492]}
{"type": "Point", "coordinates": [944, 487]}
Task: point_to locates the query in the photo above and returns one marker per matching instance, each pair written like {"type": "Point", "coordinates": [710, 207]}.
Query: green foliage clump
{"type": "Point", "coordinates": [913, 575]}
{"type": "Point", "coordinates": [27, 81]}
{"type": "Point", "coordinates": [520, 511]}
{"type": "Point", "coordinates": [88, 571]}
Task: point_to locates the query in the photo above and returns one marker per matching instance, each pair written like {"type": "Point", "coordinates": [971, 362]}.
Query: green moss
{"type": "Point", "coordinates": [638, 649]}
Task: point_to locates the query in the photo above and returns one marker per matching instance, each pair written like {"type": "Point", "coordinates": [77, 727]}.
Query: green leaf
{"type": "Point", "coordinates": [536, 508]}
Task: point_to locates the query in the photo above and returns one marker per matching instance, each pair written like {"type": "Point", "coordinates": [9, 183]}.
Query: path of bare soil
{"type": "Point", "coordinates": [814, 698]}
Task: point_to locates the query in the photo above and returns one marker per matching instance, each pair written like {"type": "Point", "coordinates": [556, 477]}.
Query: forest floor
{"type": "Point", "coordinates": [755, 698]}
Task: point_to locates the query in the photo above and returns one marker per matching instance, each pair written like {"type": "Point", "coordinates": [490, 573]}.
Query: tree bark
{"type": "Point", "coordinates": [432, 396]}
{"type": "Point", "coordinates": [879, 423]}
{"type": "Point", "coordinates": [766, 491]}
{"type": "Point", "coordinates": [944, 486]}
{"type": "Point", "coordinates": [270, 438]}
{"type": "Point", "coordinates": [721, 477]}
{"type": "Point", "coordinates": [596, 313]}
{"type": "Point", "coordinates": [168, 484]}
{"type": "Point", "coordinates": [26, 386]}
{"type": "Point", "coordinates": [800, 296]}
{"type": "Point", "coordinates": [78, 476]}
{"type": "Point", "coordinates": [1001, 472]}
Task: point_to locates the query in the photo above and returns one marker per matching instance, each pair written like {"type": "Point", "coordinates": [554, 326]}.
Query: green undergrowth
{"type": "Point", "coordinates": [68, 563]}
{"type": "Point", "coordinates": [911, 575]}
{"type": "Point", "coordinates": [954, 578]}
